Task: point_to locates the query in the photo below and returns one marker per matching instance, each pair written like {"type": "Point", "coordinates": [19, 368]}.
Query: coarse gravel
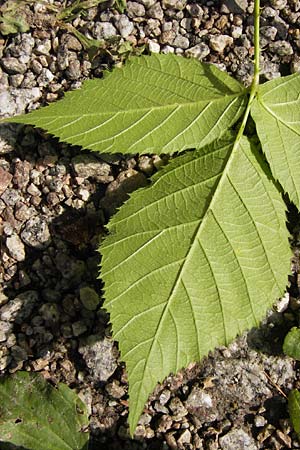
{"type": "Point", "coordinates": [55, 201]}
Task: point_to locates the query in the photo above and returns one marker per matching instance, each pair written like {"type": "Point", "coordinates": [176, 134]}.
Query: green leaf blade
{"type": "Point", "coordinates": [291, 345]}
{"type": "Point", "coordinates": [276, 112]}
{"type": "Point", "coordinates": [192, 261]}
{"type": "Point", "coordinates": [39, 417]}
{"type": "Point", "coordinates": [154, 104]}
{"type": "Point", "coordinates": [294, 409]}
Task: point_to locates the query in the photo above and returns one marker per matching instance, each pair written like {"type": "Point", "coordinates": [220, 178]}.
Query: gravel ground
{"type": "Point", "coordinates": [55, 201]}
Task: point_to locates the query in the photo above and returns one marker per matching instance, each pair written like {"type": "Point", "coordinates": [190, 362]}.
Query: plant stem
{"type": "Point", "coordinates": [255, 81]}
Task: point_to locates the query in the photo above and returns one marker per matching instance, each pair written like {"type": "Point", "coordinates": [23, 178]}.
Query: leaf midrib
{"type": "Point", "coordinates": [144, 109]}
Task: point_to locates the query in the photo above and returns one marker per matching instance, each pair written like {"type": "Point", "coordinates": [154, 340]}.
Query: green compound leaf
{"type": "Point", "coordinates": [193, 260]}
{"type": "Point", "coordinates": [36, 416]}
{"type": "Point", "coordinates": [276, 112]}
{"type": "Point", "coordinates": [294, 409]}
{"type": "Point", "coordinates": [291, 345]}
{"type": "Point", "coordinates": [154, 104]}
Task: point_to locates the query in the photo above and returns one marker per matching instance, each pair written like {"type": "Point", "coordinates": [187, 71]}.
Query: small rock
{"type": "Point", "coordinates": [8, 136]}
{"type": "Point", "coordinates": [73, 71]}
{"type": "Point", "coordinates": [88, 166]}
{"type": "Point", "coordinates": [278, 4]}
{"type": "Point", "coordinates": [22, 174]}
{"type": "Point", "coordinates": [42, 47]}
{"type": "Point", "coordinates": [164, 397]}
{"type": "Point", "coordinates": [181, 42]}
{"type": "Point", "coordinates": [5, 329]}
{"type": "Point", "coordinates": [79, 328]}
{"type": "Point", "coordinates": [19, 353]}
{"type": "Point", "coordinates": [124, 25]}
{"type": "Point", "coordinates": [10, 197]}
{"type": "Point", "coordinates": [99, 355]}
{"type": "Point", "coordinates": [156, 12]}
{"type": "Point", "coordinates": [236, 6]}
{"type": "Point", "coordinates": [237, 439]}
{"type": "Point", "coordinates": [177, 408]}
{"type": "Point", "coordinates": [14, 101]}
{"type": "Point", "coordinates": [115, 390]}
{"type": "Point", "coordinates": [219, 42]}
{"type": "Point", "coordinates": [199, 51]}
{"type": "Point", "coordinates": [259, 421]}
{"type": "Point", "coordinates": [154, 47]}
{"type": "Point", "coordinates": [195, 10]}
{"type": "Point", "coordinates": [135, 9]}
{"type": "Point", "coordinates": [185, 438]}
{"type": "Point", "coordinates": [148, 3]}
{"type": "Point", "coordinates": [20, 307]}
{"type": "Point", "coordinates": [5, 179]}
{"type": "Point", "coordinates": [13, 65]}
{"type": "Point", "coordinates": [104, 30]}
{"type": "Point", "coordinates": [89, 298]}
{"type": "Point", "coordinates": [200, 404]}
{"type": "Point", "coordinates": [15, 247]}
{"type": "Point", "coordinates": [281, 48]}
{"type": "Point", "coordinates": [36, 233]}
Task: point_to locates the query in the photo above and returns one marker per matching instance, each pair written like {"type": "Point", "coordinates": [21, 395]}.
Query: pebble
{"type": "Point", "coordinates": [124, 25]}
{"type": "Point", "coordinates": [135, 9]}
{"type": "Point", "coordinates": [88, 166]}
{"type": "Point", "coordinates": [104, 30]}
{"type": "Point", "coordinates": [154, 47]}
{"type": "Point", "coordinates": [219, 42]}
{"type": "Point", "coordinates": [181, 42]}
{"type": "Point", "coordinates": [99, 356]}
{"type": "Point", "coordinates": [237, 439]}
{"type": "Point", "coordinates": [13, 65]}
{"type": "Point", "coordinates": [199, 51]}
{"type": "Point", "coordinates": [281, 48]}
{"type": "Point", "coordinates": [15, 247]}
{"type": "Point", "coordinates": [14, 101]}
{"type": "Point", "coordinates": [20, 307]}
{"type": "Point", "coordinates": [184, 438]}
{"type": "Point", "coordinates": [79, 328]}
{"type": "Point", "coordinates": [36, 233]}
{"type": "Point", "coordinates": [5, 179]}
{"type": "Point", "coordinates": [156, 12]}
{"type": "Point", "coordinates": [89, 298]}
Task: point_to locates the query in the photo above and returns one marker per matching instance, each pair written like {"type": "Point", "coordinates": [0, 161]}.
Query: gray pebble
{"type": "Point", "coordinates": [10, 197]}
{"type": "Point", "coordinates": [185, 438]}
{"type": "Point", "coordinates": [13, 65]}
{"type": "Point", "coordinates": [199, 51]}
{"type": "Point", "coordinates": [154, 47]}
{"type": "Point", "coordinates": [104, 30]}
{"type": "Point", "coordinates": [219, 42]}
{"type": "Point", "coordinates": [19, 353]}
{"type": "Point", "coordinates": [5, 179]}
{"type": "Point", "coordinates": [148, 3]}
{"type": "Point", "coordinates": [88, 166]}
{"type": "Point", "coordinates": [278, 4]}
{"type": "Point", "coordinates": [237, 6]}
{"type": "Point", "coordinates": [89, 298]}
{"type": "Point", "coordinates": [99, 356]}
{"type": "Point", "coordinates": [124, 25]}
{"type": "Point", "coordinates": [281, 48]}
{"type": "Point", "coordinates": [181, 42]}
{"type": "Point", "coordinates": [36, 233]}
{"type": "Point", "coordinates": [79, 328]}
{"type": "Point", "coordinates": [5, 329]}
{"type": "Point", "coordinates": [45, 77]}
{"type": "Point", "coordinates": [135, 9]}
{"type": "Point", "coordinates": [156, 12]}
{"type": "Point", "coordinates": [15, 247]}
{"type": "Point", "coordinates": [237, 439]}
{"type": "Point", "coordinates": [20, 307]}
{"type": "Point", "coordinates": [195, 10]}
{"type": "Point", "coordinates": [14, 101]}
{"type": "Point", "coordinates": [73, 71]}
{"type": "Point", "coordinates": [42, 47]}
